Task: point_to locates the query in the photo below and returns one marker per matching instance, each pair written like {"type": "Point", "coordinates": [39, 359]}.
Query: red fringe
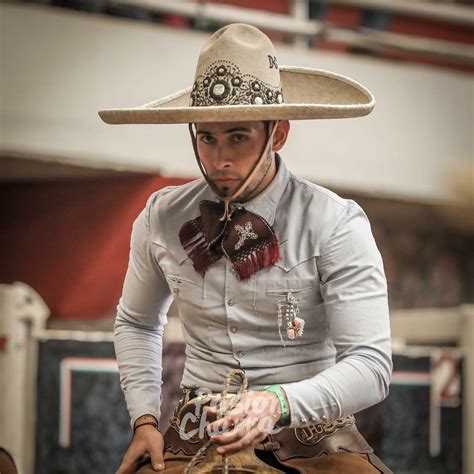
{"type": "Point", "coordinates": [192, 239]}
{"type": "Point", "coordinates": [195, 245]}
{"type": "Point", "coordinates": [189, 231]}
{"type": "Point", "coordinates": [257, 260]}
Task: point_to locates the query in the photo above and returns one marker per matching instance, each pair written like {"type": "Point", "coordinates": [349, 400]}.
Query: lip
{"type": "Point", "coordinates": [225, 180]}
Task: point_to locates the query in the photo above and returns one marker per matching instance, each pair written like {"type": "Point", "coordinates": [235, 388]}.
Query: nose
{"type": "Point", "coordinates": [222, 158]}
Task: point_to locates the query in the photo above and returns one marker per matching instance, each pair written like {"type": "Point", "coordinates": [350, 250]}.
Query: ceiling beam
{"type": "Point", "coordinates": [300, 27]}
{"type": "Point", "coordinates": [443, 12]}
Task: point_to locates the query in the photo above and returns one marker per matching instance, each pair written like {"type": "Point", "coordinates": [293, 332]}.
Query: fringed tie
{"type": "Point", "coordinates": [245, 238]}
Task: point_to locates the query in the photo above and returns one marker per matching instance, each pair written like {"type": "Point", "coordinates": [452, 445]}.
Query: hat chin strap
{"type": "Point", "coordinates": [228, 199]}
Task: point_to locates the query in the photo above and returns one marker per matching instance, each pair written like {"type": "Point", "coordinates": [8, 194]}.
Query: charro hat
{"type": "Point", "coordinates": [238, 79]}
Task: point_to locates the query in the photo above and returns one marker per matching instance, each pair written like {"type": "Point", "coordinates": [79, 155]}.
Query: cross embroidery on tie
{"type": "Point", "coordinates": [245, 232]}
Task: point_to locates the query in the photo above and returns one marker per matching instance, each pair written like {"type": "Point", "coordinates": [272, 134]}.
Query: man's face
{"type": "Point", "coordinates": [229, 151]}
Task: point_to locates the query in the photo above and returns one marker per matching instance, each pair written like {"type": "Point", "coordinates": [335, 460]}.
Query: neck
{"type": "Point", "coordinates": [269, 171]}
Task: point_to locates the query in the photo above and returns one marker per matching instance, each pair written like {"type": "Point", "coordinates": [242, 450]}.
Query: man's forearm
{"type": "Point", "coordinates": [139, 355]}
{"type": "Point", "coordinates": [356, 382]}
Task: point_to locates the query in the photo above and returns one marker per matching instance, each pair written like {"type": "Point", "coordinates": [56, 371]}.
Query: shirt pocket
{"type": "Point", "coordinates": [292, 289]}
{"type": "Point", "coordinates": [177, 283]}
{"type": "Point", "coordinates": [187, 291]}
{"type": "Point", "coordinates": [284, 292]}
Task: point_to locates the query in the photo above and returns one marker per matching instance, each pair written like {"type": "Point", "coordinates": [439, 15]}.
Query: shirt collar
{"type": "Point", "coordinates": [265, 203]}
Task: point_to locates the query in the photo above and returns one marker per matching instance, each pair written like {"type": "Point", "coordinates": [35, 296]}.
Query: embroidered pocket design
{"type": "Point", "coordinates": [288, 312]}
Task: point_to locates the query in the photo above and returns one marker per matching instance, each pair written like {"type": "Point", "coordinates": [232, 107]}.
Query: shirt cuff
{"type": "Point", "coordinates": [306, 407]}
{"type": "Point", "coordinates": [143, 403]}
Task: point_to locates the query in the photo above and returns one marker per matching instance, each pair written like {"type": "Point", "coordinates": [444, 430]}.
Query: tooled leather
{"type": "Point", "coordinates": [345, 439]}
{"type": "Point", "coordinates": [172, 439]}
{"type": "Point", "coordinates": [286, 444]}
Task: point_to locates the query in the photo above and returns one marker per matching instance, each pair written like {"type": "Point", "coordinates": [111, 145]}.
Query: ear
{"type": "Point", "coordinates": [281, 134]}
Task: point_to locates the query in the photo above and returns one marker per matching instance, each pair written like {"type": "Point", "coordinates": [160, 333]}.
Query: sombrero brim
{"type": "Point", "coordinates": [307, 94]}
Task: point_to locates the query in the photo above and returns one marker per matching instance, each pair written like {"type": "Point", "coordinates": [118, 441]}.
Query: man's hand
{"type": "Point", "coordinates": [146, 443]}
{"type": "Point", "coordinates": [250, 422]}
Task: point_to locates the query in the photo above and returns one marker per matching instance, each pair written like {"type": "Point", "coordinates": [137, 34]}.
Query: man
{"type": "Point", "coordinates": [272, 275]}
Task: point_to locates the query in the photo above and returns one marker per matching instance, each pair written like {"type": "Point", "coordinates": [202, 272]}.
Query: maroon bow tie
{"type": "Point", "coordinates": [247, 240]}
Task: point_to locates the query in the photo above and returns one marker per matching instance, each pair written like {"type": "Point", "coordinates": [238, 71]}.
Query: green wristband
{"type": "Point", "coordinates": [285, 409]}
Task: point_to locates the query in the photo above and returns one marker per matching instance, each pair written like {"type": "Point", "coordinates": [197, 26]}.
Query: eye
{"type": "Point", "coordinates": [207, 139]}
{"type": "Point", "coordinates": [238, 138]}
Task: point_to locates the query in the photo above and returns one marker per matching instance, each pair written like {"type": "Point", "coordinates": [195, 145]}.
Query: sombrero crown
{"type": "Point", "coordinates": [238, 78]}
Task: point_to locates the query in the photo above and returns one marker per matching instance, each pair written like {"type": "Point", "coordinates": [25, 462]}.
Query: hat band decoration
{"type": "Point", "coordinates": [224, 84]}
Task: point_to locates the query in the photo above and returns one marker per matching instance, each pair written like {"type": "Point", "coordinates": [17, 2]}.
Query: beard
{"type": "Point", "coordinates": [248, 192]}
{"type": "Point", "coordinates": [225, 191]}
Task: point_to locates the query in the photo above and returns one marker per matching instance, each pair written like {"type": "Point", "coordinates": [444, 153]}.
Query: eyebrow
{"type": "Point", "coordinates": [229, 130]}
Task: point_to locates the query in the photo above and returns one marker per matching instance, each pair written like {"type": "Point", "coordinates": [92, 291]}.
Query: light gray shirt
{"type": "Point", "coordinates": [329, 264]}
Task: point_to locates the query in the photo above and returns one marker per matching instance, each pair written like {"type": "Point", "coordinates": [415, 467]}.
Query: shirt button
{"type": "Point", "coordinates": [176, 290]}
{"type": "Point", "coordinates": [230, 302]}
{"type": "Point", "coordinates": [233, 329]}
{"type": "Point", "coordinates": [239, 354]}
{"type": "Point", "coordinates": [324, 418]}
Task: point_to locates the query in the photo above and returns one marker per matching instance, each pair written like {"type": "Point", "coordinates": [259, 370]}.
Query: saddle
{"type": "Point", "coordinates": [187, 435]}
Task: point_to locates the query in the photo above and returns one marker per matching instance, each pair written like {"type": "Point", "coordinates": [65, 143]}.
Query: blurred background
{"type": "Point", "coordinates": [71, 186]}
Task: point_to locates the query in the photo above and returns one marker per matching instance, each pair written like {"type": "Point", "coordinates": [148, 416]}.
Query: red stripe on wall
{"type": "Point", "coordinates": [431, 29]}
{"type": "Point", "coordinates": [275, 6]}
{"type": "Point", "coordinates": [419, 58]}
{"type": "Point", "coordinates": [70, 240]}
{"type": "Point", "coordinates": [346, 17]}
